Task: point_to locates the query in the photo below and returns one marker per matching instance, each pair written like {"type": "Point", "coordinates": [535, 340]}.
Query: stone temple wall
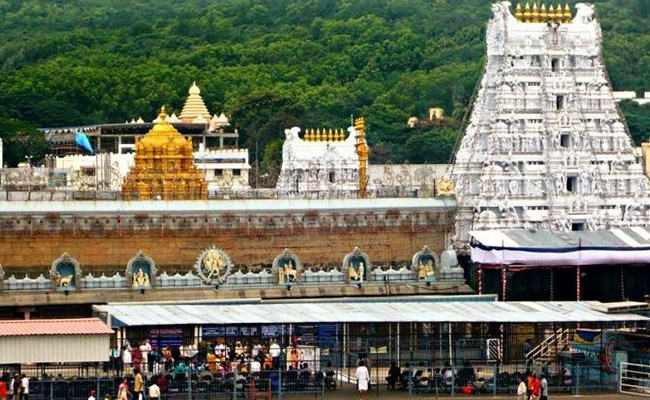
{"type": "Point", "coordinates": [32, 242]}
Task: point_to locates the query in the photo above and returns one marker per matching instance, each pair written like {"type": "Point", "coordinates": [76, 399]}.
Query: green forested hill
{"type": "Point", "coordinates": [272, 64]}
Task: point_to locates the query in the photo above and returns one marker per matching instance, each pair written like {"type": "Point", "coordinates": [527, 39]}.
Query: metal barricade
{"type": "Point", "coordinates": [634, 379]}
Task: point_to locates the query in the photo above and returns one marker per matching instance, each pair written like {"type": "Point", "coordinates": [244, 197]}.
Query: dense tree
{"type": "Point", "coordinates": [272, 64]}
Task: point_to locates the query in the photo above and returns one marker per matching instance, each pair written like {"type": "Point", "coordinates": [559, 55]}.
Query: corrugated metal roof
{"type": "Point", "coordinates": [50, 327]}
{"type": "Point", "coordinates": [350, 311]}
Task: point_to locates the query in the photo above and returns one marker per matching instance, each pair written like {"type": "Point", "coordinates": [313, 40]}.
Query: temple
{"type": "Point", "coordinates": [194, 110]}
{"type": "Point", "coordinates": [324, 163]}
{"type": "Point", "coordinates": [546, 146]}
{"type": "Point", "coordinates": [164, 167]}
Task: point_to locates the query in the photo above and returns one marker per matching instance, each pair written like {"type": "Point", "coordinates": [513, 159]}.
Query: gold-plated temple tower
{"type": "Point", "coordinates": [363, 152]}
{"type": "Point", "coordinates": [164, 167]}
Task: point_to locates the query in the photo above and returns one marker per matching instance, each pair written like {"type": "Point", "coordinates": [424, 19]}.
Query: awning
{"type": "Point", "coordinates": [53, 327]}
{"type": "Point", "coordinates": [551, 248]}
{"type": "Point", "coordinates": [54, 341]}
{"type": "Point", "coordinates": [380, 311]}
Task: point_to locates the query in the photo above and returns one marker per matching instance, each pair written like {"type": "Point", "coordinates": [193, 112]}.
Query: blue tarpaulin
{"type": "Point", "coordinates": [82, 140]}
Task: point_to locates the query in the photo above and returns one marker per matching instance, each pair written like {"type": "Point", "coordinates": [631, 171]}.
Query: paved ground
{"type": "Point", "coordinates": [349, 393]}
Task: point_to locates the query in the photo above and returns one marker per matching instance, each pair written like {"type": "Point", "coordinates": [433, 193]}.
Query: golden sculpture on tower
{"type": "Point", "coordinates": [164, 167]}
{"type": "Point", "coordinates": [363, 151]}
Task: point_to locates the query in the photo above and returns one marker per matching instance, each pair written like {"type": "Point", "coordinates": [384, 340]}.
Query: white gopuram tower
{"type": "Point", "coordinates": [546, 147]}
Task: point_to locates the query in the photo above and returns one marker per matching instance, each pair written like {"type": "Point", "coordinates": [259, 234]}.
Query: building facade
{"type": "Point", "coordinates": [324, 164]}
{"type": "Point", "coordinates": [546, 146]}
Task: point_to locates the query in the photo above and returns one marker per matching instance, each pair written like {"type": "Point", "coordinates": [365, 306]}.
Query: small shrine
{"type": "Point", "coordinates": [194, 110]}
{"type": "Point", "coordinates": [164, 167]}
{"type": "Point", "coordinates": [324, 163]}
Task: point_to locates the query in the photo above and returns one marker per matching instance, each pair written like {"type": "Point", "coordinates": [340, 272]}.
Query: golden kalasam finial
{"type": "Point", "coordinates": [319, 137]}
{"type": "Point", "coordinates": [558, 13]}
{"type": "Point", "coordinates": [551, 13]}
{"type": "Point", "coordinates": [535, 13]}
{"type": "Point", "coordinates": [567, 14]}
{"type": "Point", "coordinates": [519, 14]}
{"type": "Point", "coordinates": [163, 114]}
{"type": "Point", "coordinates": [543, 16]}
{"type": "Point", "coordinates": [306, 136]}
{"type": "Point", "coordinates": [330, 137]}
{"type": "Point", "coordinates": [341, 135]}
{"type": "Point", "coordinates": [527, 15]}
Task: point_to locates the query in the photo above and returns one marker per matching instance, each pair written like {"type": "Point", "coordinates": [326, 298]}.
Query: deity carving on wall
{"type": "Point", "coordinates": [356, 266]}
{"type": "Point", "coordinates": [424, 264]}
{"type": "Point", "coordinates": [287, 267]}
{"type": "Point", "coordinates": [65, 273]}
{"type": "Point", "coordinates": [141, 271]}
{"type": "Point", "coordinates": [213, 265]}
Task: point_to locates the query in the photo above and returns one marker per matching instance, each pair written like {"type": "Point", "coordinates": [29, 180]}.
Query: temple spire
{"type": "Point", "coordinates": [194, 109]}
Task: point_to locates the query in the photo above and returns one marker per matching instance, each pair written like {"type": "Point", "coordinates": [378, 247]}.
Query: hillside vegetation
{"type": "Point", "coordinates": [272, 64]}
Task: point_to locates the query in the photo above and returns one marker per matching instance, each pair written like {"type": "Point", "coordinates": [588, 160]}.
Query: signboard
{"type": "Point", "coordinates": [271, 331]}
{"type": "Point", "coordinates": [57, 179]}
{"type": "Point", "coordinates": [163, 337]}
{"type": "Point", "coordinates": [328, 334]}
{"type": "Point", "coordinates": [212, 331]}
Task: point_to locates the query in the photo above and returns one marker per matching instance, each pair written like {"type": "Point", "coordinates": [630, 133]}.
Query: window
{"type": "Point", "coordinates": [332, 177]}
{"type": "Point", "coordinates": [218, 172]}
{"type": "Point", "coordinates": [559, 102]}
{"type": "Point", "coordinates": [578, 226]}
{"type": "Point", "coordinates": [236, 172]}
{"type": "Point", "coordinates": [535, 61]}
{"type": "Point", "coordinates": [88, 171]}
{"type": "Point", "coordinates": [555, 64]}
{"type": "Point", "coordinates": [565, 140]}
{"type": "Point", "coordinates": [572, 184]}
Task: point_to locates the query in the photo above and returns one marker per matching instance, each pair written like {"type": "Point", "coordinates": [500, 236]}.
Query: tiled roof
{"type": "Point", "coordinates": [39, 327]}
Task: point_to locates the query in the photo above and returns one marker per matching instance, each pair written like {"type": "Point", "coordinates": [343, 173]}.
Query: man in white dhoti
{"type": "Point", "coordinates": [363, 379]}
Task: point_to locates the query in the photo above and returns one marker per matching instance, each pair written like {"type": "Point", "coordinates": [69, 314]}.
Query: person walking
{"type": "Point", "coordinates": [123, 391]}
{"type": "Point", "coordinates": [3, 389]}
{"type": "Point", "coordinates": [535, 389]}
{"type": "Point", "coordinates": [544, 388]}
{"type": "Point", "coordinates": [363, 379]}
{"type": "Point", "coordinates": [25, 384]}
{"type": "Point", "coordinates": [18, 387]}
{"type": "Point", "coordinates": [138, 385]}
{"type": "Point", "coordinates": [92, 395]}
{"type": "Point", "coordinates": [154, 392]}
{"type": "Point", "coordinates": [521, 389]}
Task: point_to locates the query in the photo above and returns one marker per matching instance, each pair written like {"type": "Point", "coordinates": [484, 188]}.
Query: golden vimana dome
{"type": "Point", "coordinates": [164, 167]}
{"type": "Point", "coordinates": [194, 109]}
